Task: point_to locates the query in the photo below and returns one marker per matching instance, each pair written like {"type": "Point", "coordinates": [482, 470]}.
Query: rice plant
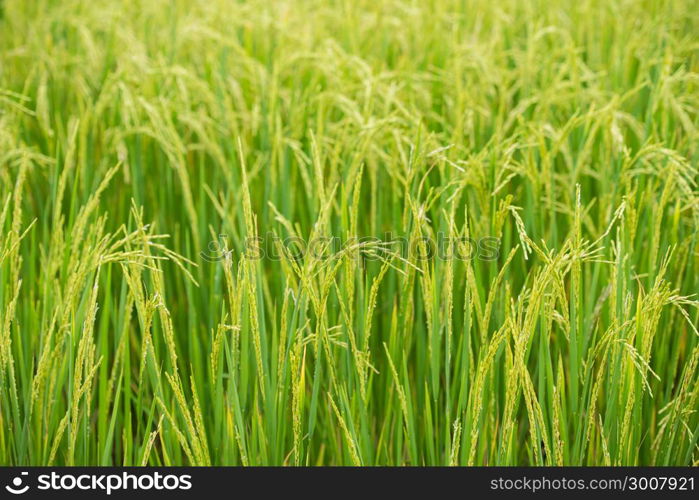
{"type": "Point", "coordinates": [349, 232]}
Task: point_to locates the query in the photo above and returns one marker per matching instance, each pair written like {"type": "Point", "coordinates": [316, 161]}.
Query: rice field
{"type": "Point", "coordinates": [349, 232]}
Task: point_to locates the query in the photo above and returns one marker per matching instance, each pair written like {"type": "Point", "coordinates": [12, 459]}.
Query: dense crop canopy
{"type": "Point", "coordinates": [349, 232]}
